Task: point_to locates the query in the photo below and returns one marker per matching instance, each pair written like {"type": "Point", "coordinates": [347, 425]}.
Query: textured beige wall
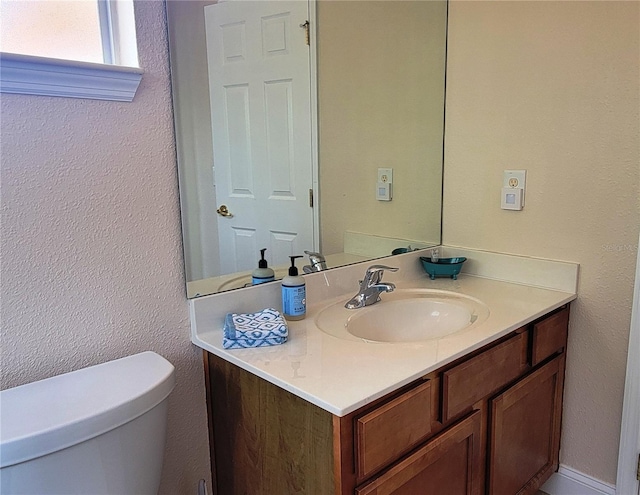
{"type": "Point", "coordinates": [380, 90]}
{"type": "Point", "coordinates": [91, 255]}
{"type": "Point", "coordinates": [553, 88]}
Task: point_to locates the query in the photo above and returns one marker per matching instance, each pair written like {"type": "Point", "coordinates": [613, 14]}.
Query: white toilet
{"type": "Point", "coordinates": [98, 430]}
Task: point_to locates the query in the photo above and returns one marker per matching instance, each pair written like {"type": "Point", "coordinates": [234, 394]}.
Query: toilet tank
{"type": "Point", "coordinates": [98, 430]}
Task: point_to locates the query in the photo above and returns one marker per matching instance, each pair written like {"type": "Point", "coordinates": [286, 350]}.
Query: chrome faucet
{"type": "Point", "coordinates": [371, 287]}
{"type": "Point", "coordinates": [317, 261]}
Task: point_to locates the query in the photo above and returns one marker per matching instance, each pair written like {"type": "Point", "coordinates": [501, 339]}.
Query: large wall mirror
{"type": "Point", "coordinates": [287, 146]}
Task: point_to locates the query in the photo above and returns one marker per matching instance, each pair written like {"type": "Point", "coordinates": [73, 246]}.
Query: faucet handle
{"type": "Point", "coordinates": [374, 274]}
{"type": "Point", "coordinates": [314, 257]}
{"type": "Point", "coordinates": [371, 286]}
{"type": "Point", "coordinates": [381, 268]}
{"type": "Point", "coordinates": [317, 261]}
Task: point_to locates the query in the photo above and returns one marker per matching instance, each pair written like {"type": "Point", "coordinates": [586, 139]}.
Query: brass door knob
{"type": "Point", "coordinates": [223, 211]}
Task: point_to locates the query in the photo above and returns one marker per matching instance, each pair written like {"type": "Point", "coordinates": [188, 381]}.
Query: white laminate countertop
{"type": "Point", "coordinates": [341, 376]}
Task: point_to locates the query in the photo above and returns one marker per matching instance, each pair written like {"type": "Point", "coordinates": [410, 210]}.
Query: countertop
{"type": "Point", "coordinates": [341, 376]}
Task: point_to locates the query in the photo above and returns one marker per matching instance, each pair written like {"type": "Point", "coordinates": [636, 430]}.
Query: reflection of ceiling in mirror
{"type": "Point", "coordinates": [380, 104]}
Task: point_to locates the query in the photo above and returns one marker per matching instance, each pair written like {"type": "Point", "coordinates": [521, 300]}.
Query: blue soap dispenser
{"type": "Point", "coordinates": [294, 293]}
{"type": "Point", "coordinates": [263, 273]}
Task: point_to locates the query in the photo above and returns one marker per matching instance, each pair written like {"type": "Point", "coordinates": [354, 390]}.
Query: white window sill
{"type": "Point", "coordinates": [24, 74]}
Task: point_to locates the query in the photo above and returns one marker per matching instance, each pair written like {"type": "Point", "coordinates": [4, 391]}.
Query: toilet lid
{"type": "Point", "coordinates": [52, 414]}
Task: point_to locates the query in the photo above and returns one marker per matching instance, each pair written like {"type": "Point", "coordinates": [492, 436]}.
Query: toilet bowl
{"type": "Point", "coordinates": [98, 430]}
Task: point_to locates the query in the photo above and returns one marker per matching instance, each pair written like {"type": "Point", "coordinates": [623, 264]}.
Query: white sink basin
{"type": "Point", "coordinates": [409, 315]}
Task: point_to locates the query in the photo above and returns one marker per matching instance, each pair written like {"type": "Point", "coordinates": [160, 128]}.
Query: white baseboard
{"type": "Point", "coordinates": [568, 481]}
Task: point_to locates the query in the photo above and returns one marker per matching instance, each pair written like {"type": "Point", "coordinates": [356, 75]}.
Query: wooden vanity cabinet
{"type": "Point", "coordinates": [264, 440]}
{"type": "Point", "coordinates": [486, 423]}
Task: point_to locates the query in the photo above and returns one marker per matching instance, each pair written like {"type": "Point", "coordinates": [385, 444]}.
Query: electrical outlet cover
{"type": "Point", "coordinates": [515, 179]}
{"type": "Point", "coordinates": [385, 175]}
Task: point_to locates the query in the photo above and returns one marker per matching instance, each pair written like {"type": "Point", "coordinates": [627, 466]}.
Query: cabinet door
{"type": "Point", "coordinates": [449, 464]}
{"type": "Point", "coordinates": [524, 436]}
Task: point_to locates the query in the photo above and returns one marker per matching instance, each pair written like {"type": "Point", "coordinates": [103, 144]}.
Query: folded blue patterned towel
{"type": "Point", "coordinates": [264, 328]}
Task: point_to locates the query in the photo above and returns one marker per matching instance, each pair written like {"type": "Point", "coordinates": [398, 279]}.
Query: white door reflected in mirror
{"type": "Point", "coordinates": [259, 75]}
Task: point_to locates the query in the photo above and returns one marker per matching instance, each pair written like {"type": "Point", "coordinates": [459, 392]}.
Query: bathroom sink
{"type": "Point", "coordinates": [405, 315]}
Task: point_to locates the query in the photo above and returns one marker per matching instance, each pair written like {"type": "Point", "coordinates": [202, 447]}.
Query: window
{"type": "Point", "coordinates": [72, 48]}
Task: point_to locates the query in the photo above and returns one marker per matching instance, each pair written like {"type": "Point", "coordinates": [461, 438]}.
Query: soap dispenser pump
{"type": "Point", "coordinates": [263, 273]}
{"type": "Point", "coordinates": [294, 293]}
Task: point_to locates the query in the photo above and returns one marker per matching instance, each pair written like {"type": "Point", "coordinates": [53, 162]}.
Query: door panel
{"type": "Point", "coordinates": [259, 79]}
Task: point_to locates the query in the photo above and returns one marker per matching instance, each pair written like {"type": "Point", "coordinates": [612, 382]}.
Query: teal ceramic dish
{"type": "Point", "coordinates": [399, 251]}
{"type": "Point", "coordinates": [443, 267]}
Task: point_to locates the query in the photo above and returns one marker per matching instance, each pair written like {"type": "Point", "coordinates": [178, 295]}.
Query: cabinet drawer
{"type": "Point", "coordinates": [482, 375]}
{"type": "Point", "coordinates": [549, 336]}
{"type": "Point", "coordinates": [392, 429]}
{"type": "Point", "coordinates": [451, 463]}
